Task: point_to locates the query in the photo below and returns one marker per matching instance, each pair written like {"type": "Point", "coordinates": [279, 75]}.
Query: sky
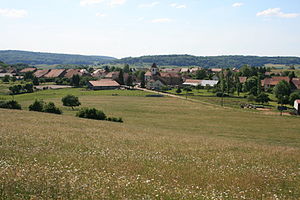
{"type": "Point", "coordinates": [123, 28]}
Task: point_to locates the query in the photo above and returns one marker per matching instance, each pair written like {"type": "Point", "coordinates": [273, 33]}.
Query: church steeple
{"type": "Point", "coordinates": [154, 69]}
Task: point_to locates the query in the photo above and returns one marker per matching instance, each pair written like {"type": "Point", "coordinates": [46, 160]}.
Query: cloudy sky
{"type": "Point", "coordinates": [122, 28]}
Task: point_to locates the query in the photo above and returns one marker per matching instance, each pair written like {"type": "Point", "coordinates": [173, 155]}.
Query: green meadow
{"type": "Point", "coordinates": [167, 148]}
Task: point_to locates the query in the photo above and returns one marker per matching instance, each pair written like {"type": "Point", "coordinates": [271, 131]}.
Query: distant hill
{"type": "Point", "coordinates": [209, 61]}
{"type": "Point", "coordinates": [37, 58]}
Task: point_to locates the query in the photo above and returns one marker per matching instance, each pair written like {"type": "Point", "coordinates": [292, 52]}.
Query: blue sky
{"type": "Point", "coordinates": [122, 28]}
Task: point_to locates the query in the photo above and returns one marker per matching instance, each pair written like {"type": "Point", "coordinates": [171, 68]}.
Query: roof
{"type": "Point", "coordinates": [275, 80]}
{"type": "Point", "coordinates": [243, 79]}
{"type": "Point", "coordinates": [209, 82]}
{"type": "Point", "coordinates": [104, 83]}
{"type": "Point", "coordinates": [111, 74]}
{"type": "Point", "coordinates": [216, 69]}
{"type": "Point", "coordinates": [148, 73]}
{"type": "Point", "coordinates": [71, 72]}
{"type": "Point", "coordinates": [296, 82]}
{"type": "Point", "coordinates": [169, 74]}
{"type": "Point", "coordinates": [41, 73]}
{"type": "Point", "coordinates": [54, 73]}
{"type": "Point", "coordinates": [184, 70]}
{"type": "Point", "coordinates": [29, 69]}
{"type": "Point", "coordinates": [193, 82]}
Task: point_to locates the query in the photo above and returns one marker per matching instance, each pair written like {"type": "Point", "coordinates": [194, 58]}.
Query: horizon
{"type": "Point", "coordinates": [146, 55]}
{"type": "Point", "coordinates": [131, 28]}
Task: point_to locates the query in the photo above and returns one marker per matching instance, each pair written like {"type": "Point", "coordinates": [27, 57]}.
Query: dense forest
{"type": "Point", "coordinates": [36, 58]}
{"type": "Point", "coordinates": [210, 61]}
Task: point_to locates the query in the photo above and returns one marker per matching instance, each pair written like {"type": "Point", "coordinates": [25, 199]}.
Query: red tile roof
{"type": "Point", "coordinates": [71, 72]}
{"type": "Point", "coordinates": [104, 83]}
{"type": "Point", "coordinates": [54, 73]}
{"type": "Point", "coordinates": [275, 80]}
{"type": "Point", "coordinates": [41, 73]}
{"type": "Point", "coordinates": [296, 82]}
{"type": "Point", "coordinates": [30, 69]}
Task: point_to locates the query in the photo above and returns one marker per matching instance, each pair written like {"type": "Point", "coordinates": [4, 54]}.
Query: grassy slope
{"type": "Point", "coordinates": [167, 148]}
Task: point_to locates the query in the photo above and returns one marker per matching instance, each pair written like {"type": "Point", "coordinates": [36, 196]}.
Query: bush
{"type": "Point", "coordinates": [114, 119]}
{"type": "Point", "coordinates": [71, 101]}
{"type": "Point", "coordinates": [51, 108]}
{"type": "Point", "coordinates": [10, 105]}
{"type": "Point", "coordinates": [38, 105]}
{"type": "Point", "coordinates": [91, 113]}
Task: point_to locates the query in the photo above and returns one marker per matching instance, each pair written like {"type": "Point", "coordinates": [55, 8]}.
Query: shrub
{"type": "Point", "coordinates": [38, 105]}
{"type": "Point", "coordinates": [10, 105]}
{"type": "Point", "coordinates": [91, 113]}
{"type": "Point", "coordinates": [51, 108]}
{"type": "Point", "coordinates": [114, 119]}
{"type": "Point", "coordinates": [71, 101]}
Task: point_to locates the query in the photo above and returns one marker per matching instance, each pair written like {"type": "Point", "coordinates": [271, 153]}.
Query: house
{"type": "Point", "coordinates": [297, 106]}
{"type": "Point", "coordinates": [185, 70]}
{"type": "Point", "coordinates": [211, 83]}
{"type": "Point", "coordinates": [177, 70]}
{"type": "Point", "coordinates": [296, 82]}
{"type": "Point", "coordinates": [273, 81]}
{"type": "Point", "coordinates": [29, 69]}
{"type": "Point", "coordinates": [192, 82]}
{"type": "Point", "coordinates": [71, 72]}
{"type": "Point", "coordinates": [195, 69]}
{"type": "Point", "coordinates": [243, 79]}
{"type": "Point", "coordinates": [104, 84]}
{"type": "Point", "coordinates": [2, 75]}
{"type": "Point", "coordinates": [171, 78]}
{"type": "Point", "coordinates": [112, 75]}
{"type": "Point", "coordinates": [41, 73]}
{"type": "Point", "coordinates": [55, 73]}
{"type": "Point", "coordinates": [155, 84]}
{"type": "Point", "coordinates": [99, 73]}
{"type": "Point", "coordinates": [216, 70]}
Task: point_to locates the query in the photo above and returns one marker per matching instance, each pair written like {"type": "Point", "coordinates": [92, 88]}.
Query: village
{"type": "Point", "coordinates": [254, 84]}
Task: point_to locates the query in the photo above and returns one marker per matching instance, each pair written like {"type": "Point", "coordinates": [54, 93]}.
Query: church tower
{"type": "Point", "coordinates": [154, 69]}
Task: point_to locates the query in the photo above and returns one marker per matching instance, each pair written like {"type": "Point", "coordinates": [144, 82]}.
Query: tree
{"type": "Point", "coordinates": [91, 113]}
{"type": "Point", "coordinates": [251, 85]}
{"type": "Point", "coordinates": [282, 91]}
{"type": "Point", "coordinates": [35, 81]}
{"type": "Point", "coordinates": [28, 76]}
{"type": "Point", "coordinates": [70, 101]}
{"type": "Point", "coordinates": [6, 78]}
{"type": "Point", "coordinates": [129, 81]}
{"type": "Point", "coordinates": [141, 76]}
{"type": "Point", "coordinates": [38, 105]}
{"type": "Point", "coordinates": [51, 108]}
{"type": "Point", "coordinates": [28, 88]}
{"type": "Point", "coordinates": [15, 89]}
{"type": "Point", "coordinates": [10, 105]}
{"type": "Point", "coordinates": [121, 77]}
{"type": "Point", "coordinates": [262, 98]}
{"type": "Point", "coordinates": [201, 74]}
{"type": "Point", "coordinates": [126, 68]}
{"type": "Point", "coordinates": [293, 97]}
{"type": "Point", "coordinates": [75, 81]}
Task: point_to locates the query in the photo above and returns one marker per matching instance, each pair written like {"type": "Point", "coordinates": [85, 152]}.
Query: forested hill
{"type": "Point", "coordinates": [36, 58]}
{"type": "Point", "coordinates": [210, 61]}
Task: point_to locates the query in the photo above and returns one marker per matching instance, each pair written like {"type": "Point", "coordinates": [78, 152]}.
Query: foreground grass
{"type": "Point", "coordinates": [166, 149]}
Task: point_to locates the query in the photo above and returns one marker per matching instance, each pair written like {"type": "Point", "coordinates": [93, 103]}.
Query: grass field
{"type": "Point", "coordinates": [166, 148]}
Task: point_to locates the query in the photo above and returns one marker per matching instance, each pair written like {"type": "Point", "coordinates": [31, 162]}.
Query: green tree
{"type": "Point", "coordinates": [37, 105]}
{"type": "Point", "coordinates": [178, 91]}
{"type": "Point", "coordinates": [121, 77]}
{"type": "Point", "coordinates": [71, 101]}
{"type": "Point", "coordinates": [251, 85]}
{"type": "Point", "coordinates": [293, 97]}
{"type": "Point", "coordinates": [282, 91]}
{"type": "Point", "coordinates": [201, 74]}
{"type": "Point", "coordinates": [91, 113]}
{"type": "Point", "coordinates": [15, 89]}
{"type": "Point", "coordinates": [28, 76]}
{"type": "Point", "coordinates": [28, 87]}
{"type": "Point", "coordinates": [51, 108]}
{"type": "Point", "coordinates": [6, 78]}
{"type": "Point", "coordinates": [35, 81]}
{"type": "Point", "coordinates": [262, 98]}
{"type": "Point", "coordinates": [75, 81]}
{"type": "Point", "coordinates": [126, 68]}
{"type": "Point", "coordinates": [129, 81]}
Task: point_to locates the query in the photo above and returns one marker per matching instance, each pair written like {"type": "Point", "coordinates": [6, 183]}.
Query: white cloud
{"type": "Point", "coordinates": [101, 14]}
{"type": "Point", "coordinates": [276, 12]}
{"type": "Point", "coordinates": [117, 2]}
{"type": "Point", "coordinates": [13, 13]}
{"type": "Point", "coordinates": [237, 4]}
{"type": "Point", "coordinates": [175, 5]}
{"type": "Point", "coordinates": [161, 20]}
{"type": "Point", "coordinates": [90, 2]}
{"type": "Point", "coordinates": [149, 5]}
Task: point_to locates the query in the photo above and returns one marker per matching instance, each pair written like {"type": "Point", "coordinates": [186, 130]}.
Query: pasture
{"type": "Point", "coordinates": [167, 148]}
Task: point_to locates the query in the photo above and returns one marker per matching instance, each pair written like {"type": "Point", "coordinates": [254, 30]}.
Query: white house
{"type": "Point", "coordinates": [192, 82]}
{"type": "Point", "coordinates": [297, 105]}
{"type": "Point", "coordinates": [211, 83]}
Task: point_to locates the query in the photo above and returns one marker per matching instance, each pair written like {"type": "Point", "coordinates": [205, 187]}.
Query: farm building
{"type": "Point", "coordinates": [55, 73]}
{"type": "Point", "coordinates": [211, 83]}
{"type": "Point", "coordinates": [192, 82]}
{"type": "Point", "coordinates": [104, 84]}
{"type": "Point", "coordinates": [41, 73]}
{"type": "Point", "coordinates": [272, 82]}
{"type": "Point", "coordinates": [297, 106]}
{"type": "Point", "coordinates": [30, 69]}
{"type": "Point", "coordinates": [155, 84]}
{"type": "Point", "coordinates": [71, 72]}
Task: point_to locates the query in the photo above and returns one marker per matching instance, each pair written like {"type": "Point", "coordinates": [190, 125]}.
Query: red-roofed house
{"type": "Point", "coordinates": [30, 69]}
{"type": "Point", "coordinates": [271, 82]}
{"type": "Point", "coordinates": [41, 73]}
{"type": "Point", "coordinates": [55, 73]}
{"type": "Point", "coordinates": [296, 82]}
{"type": "Point", "coordinates": [104, 84]}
